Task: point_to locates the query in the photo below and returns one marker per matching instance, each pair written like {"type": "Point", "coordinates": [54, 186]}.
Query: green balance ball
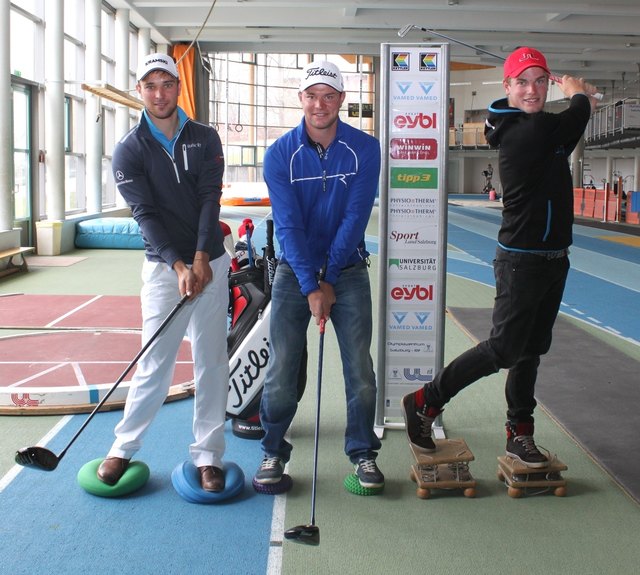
{"type": "Point", "coordinates": [134, 478]}
{"type": "Point", "coordinates": [352, 485]}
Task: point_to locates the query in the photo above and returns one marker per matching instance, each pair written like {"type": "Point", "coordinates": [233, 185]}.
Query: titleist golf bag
{"type": "Point", "coordinates": [250, 280]}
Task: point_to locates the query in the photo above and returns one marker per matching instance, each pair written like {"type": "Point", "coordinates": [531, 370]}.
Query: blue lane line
{"type": "Point", "coordinates": [603, 283]}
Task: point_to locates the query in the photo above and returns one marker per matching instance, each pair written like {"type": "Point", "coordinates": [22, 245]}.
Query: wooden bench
{"type": "Point", "coordinates": [12, 267]}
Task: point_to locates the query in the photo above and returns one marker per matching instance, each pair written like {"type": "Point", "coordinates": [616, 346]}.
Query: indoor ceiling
{"type": "Point", "coordinates": [599, 41]}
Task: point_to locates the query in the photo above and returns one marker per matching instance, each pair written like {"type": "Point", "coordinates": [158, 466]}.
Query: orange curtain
{"type": "Point", "coordinates": [187, 99]}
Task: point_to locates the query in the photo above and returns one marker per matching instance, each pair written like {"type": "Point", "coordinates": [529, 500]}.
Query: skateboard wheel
{"type": "Point", "coordinates": [423, 493]}
{"type": "Point", "coordinates": [514, 492]}
{"type": "Point", "coordinates": [469, 492]}
{"type": "Point", "coordinates": [560, 491]}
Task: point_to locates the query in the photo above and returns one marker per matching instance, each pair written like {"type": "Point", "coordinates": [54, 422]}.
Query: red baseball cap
{"type": "Point", "coordinates": [521, 59]}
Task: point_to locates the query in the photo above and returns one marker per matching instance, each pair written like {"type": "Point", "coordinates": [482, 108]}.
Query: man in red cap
{"type": "Point", "coordinates": [531, 262]}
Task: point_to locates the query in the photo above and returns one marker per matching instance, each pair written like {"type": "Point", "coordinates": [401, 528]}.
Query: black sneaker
{"type": "Point", "coordinates": [270, 471]}
{"type": "Point", "coordinates": [418, 422]}
{"type": "Point", "coordinates": [368, 473]}
{"type": "Point", "coordinates": [523, 448]}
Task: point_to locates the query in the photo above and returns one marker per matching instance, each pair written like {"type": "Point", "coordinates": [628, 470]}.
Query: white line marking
{"type": "Point", "coordinates": [274, 561]}
{"type": "Point", "coordinates": [79, 375]}
{"type": "Point", "coordinates": [16, 469]}
{"type": "Point", "coordinates": [66, 315]}
{"type": "Point", "coordinates": [37, 375]}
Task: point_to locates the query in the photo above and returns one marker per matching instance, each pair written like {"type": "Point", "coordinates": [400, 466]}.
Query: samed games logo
{"type": "Point", "coordinates": [428, 61]}
{"type": "Point", "coordinates": [425, 178]}
{"type": "Point", "coordinates": [401, 61]}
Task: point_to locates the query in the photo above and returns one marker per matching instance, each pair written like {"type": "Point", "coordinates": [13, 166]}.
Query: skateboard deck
{"type": "Point", "coordinates": [445, 468]}
{"type": "Point", "coordinates": [521, 479]}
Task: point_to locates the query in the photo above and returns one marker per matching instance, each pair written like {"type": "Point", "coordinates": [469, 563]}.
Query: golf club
{"type": "Point", "coordinates": [408, 27]}
{"type": "Point", "coordinates": [310, 534]}
{"type": "Point", "coordinates": [45, 459]}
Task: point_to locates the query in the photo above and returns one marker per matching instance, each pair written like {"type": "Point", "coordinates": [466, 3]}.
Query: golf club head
{"type": "Point", "coordinates": [304, 534]}
{"type": "Point", "coordinates": [39, 457]}
{"type": "Point", "coordinates": [405, 30]}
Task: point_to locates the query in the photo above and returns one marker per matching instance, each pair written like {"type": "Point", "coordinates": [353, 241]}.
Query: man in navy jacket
{"type": "Point", "coordinates": [169, 170]}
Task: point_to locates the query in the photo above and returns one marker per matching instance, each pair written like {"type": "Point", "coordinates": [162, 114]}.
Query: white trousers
{"type": "Point", "coordinates": [204, 321]}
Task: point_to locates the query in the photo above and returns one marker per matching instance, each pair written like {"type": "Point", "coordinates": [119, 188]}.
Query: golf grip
{"type": "Point", "coordinates": [125, 372]}
{"type": "Point", "coordinates": [270, 256]}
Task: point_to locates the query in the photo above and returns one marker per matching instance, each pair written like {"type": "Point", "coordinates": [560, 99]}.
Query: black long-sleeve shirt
{"type": "Point", "coordinates": [534, 172]}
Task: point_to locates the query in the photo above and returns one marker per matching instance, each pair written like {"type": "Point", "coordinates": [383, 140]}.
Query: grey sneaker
{"type": "Point", "coordinates": [418, 422]}
{"type": "Point", "coordinates": [270, 471]}
{"type": "Point", "coordinates": [368, 473]}
{"type": "Point", "coordinates": [523, 448]}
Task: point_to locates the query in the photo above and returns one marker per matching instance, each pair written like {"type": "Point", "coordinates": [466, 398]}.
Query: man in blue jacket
{"type": "Point", "coordinates": [169, 170]}
{"type": "Point", "coordinates": [531, 262]}
{"type": "Point", "coordinates": [322, 178]}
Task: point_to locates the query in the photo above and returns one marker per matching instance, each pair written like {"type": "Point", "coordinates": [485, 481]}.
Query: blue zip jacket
{"type": "Point", "coordinates": [537, 199]}
{"type": "Point", "coordinates": [174, 195]}
{"type": "Point", "coordinates": [322, 202]}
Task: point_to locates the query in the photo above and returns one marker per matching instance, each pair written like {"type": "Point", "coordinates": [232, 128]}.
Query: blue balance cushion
{"type": "Point", "coordinates": [186, 481]}
{"type": "Point", "coordinates": [109, 233]}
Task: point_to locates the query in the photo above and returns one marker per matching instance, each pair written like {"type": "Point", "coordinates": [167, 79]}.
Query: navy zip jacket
{"type": "Point", "coordinates": [537, 212]}
{"type": "Point", "coordinates": [322, 202]}
{"type": "Point", "coordinates": [175, 198]}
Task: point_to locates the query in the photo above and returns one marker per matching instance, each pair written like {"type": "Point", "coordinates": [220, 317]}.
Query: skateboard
{"type": "Point", "coordinates": [521, 479]}
{"type": "Point", "coordinates": [445, 468]}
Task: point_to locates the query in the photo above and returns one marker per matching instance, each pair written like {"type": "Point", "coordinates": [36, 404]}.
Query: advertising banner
{"type": "Point", "coordinates": [413, 221]}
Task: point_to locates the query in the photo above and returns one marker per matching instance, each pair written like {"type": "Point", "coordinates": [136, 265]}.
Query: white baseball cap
{"type": "Point", "coordinates": [154, 62]}
{"type": "Point", "coordinates": [321, 73]}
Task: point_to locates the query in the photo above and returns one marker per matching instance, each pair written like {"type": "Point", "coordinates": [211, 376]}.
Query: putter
{"type": "Point", "coordinates": [310, 534]}
{"type": "Point", "coordinates": [45, 459]}
{"type": "Point", "coordinates": [408, 27]}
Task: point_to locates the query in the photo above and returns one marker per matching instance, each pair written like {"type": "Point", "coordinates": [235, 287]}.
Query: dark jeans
{"type": "Point", "coordinates": [529, 290]}
{"type": "Point", "coordinates": [351, 319]}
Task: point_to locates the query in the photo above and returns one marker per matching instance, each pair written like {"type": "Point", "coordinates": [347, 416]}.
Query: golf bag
{"type": "Point", "coordinates": [248, 335]}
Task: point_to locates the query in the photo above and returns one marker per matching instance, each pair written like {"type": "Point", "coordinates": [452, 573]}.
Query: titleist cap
{"type": "Point", "coordinates": [321, 73]}
{"type": "Point", "coordinates": [154, 62]}
{"type": "Point", "coordinates": [521, 59]}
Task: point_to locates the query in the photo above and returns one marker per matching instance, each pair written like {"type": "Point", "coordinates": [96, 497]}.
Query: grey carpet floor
{"type": "Point", "coordinates": [590, 388]}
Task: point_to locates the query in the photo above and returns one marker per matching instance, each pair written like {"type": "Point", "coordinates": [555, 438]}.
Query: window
{"type": "Point", "coordinates": [254, 100]}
